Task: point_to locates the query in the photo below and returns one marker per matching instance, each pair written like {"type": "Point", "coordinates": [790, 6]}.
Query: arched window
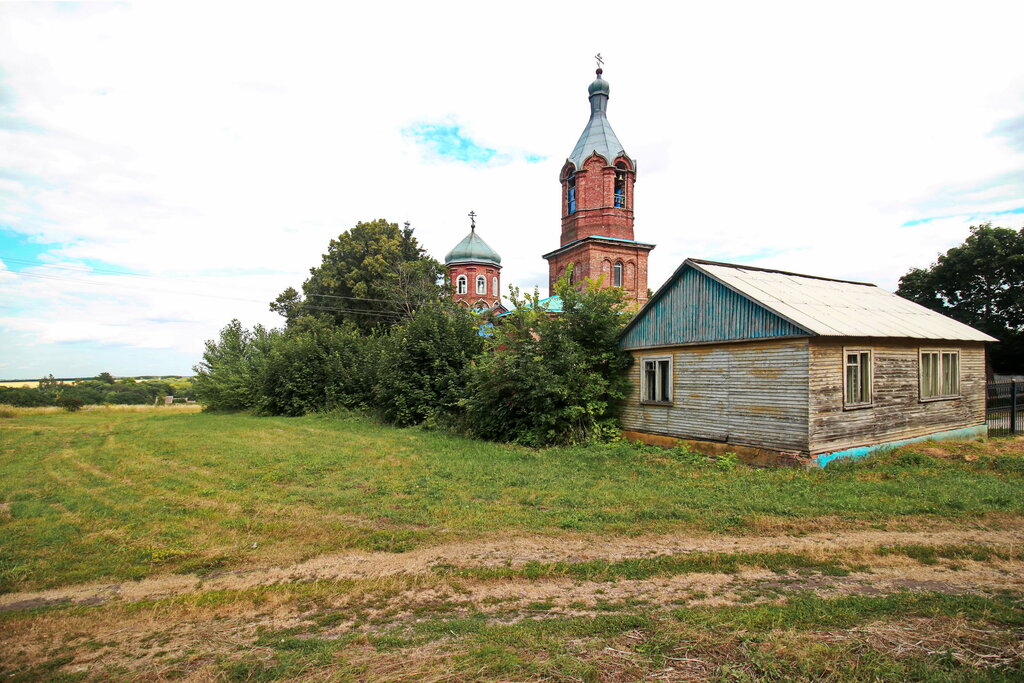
{"type": "Point", "coordinates": [571, 193]}
{"type": "Point", "coordinates": [461, 285]}
{"type": "Point", "coordinates": [617, 274]}
{"type": "Point", "coordinates": [620, 186]}
{"type": "Point", "coordinates": [494, 282]}
{"type": "Point", "coordinates": [481, 284]}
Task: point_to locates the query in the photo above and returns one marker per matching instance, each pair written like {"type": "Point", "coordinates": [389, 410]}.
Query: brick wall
{"type": "Point", "coordinates": [472, 271]}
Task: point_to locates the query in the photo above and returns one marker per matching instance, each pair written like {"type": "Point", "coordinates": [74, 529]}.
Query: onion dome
{"type": "Point", "coordinates": [598, 136]}
{"type": "Point", "coordinates": [472, 249]}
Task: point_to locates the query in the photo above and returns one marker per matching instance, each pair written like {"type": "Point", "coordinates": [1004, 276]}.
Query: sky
{"type": "Point", "coordinates": [168, 166]}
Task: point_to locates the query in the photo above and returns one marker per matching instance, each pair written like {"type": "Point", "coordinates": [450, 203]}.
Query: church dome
{"type": "Point", "coordinates": [472, 249]}
{"type": "Point", "coordinates": [599, 86]}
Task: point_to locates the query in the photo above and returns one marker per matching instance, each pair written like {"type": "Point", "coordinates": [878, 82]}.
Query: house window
{"type": "Point", "coordinates": [940, 373]}
{"type": "Point", "coordinates": [617, 274]}
{"type": "Point", "coordinates": [494, 282]}
{"type": "Point", "coordinates": [656, 382]}
{"type": "Point", "coordinates": [461, 285]}
{"type": "Point", "coordinates": [571, 197]}
{"type": "Point", "coordinates": [857, 380]}
{"type": "Point", "coordinates": [481, 284]}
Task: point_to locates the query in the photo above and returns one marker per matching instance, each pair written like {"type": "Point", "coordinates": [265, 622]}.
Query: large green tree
{"type": "Point", "coordinates": [981, 283]}
{"type": "Point", "coordinates": [373, 275]}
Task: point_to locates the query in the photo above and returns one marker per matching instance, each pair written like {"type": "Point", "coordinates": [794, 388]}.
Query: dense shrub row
{"type": "Point", "coordinates": [533, 378]}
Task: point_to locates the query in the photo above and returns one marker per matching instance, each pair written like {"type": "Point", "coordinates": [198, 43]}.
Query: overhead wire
{"type": "Point", "coordinates": [102, 271]}
{"type": "Point", "coordinates": [202, 295]}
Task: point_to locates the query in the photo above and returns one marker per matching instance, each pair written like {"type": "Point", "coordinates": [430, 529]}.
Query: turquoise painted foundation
{"type": "Point", "coordinates": [962, 434]}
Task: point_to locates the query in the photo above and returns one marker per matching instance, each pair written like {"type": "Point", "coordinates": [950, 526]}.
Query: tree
{"type": "Point", "coordinates": [105, 377]}
{"type": "Point", "coordinates": [372, 276]}
{"type": "Point", "coordinates": [552, 378]}
{"type": "Point", "coordinates": [980, 283]}
{"type": "Point", "coordinates": [425, 363]}
{"type": "Point", "coordinates": [229, 374]}
{"type": "Point", "coordinates": [314, 366]}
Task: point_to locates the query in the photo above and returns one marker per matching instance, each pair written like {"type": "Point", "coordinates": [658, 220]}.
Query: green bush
{"type": "Point", "coordinates": [425, 363]}
{"type": "Point", "coordinates": [315, 366]}
{"type": "Point", "coordinates": [552, 379]}
{"type": "Point", "coordinates": [26, 398]}
{"type": "Point", "coordinates": [228, 377]}
{"type": "Point", "coordinates": [70, 403]}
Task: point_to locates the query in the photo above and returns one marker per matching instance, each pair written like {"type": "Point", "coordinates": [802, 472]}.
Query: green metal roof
{"type": "Point", "coordinates": [472, 249]}
{"type": "Point", "coordinates": [598, 136]}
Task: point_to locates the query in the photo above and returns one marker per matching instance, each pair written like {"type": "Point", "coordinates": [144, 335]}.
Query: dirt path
{"type": "Point", "coordinates": [509, 551]}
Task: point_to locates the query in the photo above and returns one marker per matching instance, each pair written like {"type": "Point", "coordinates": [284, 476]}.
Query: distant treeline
{"type": "Point", "coordinates": [69, 380]}
{"type": "Point", "coordinates": [103, 388]}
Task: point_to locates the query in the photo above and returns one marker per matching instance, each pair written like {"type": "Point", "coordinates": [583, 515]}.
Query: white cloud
{"type": "Point", "coordinates": [233, 141]}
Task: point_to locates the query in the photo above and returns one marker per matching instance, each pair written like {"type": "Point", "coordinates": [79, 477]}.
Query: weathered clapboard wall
{"type": "Point", "coordinates": [696, 308]}
{"type": "Point", "coordinates": [747, 393]}
{"type": "Point", "coordinates": [897, 411]}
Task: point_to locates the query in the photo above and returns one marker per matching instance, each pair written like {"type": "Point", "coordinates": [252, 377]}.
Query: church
{"type": "Point", "coordinates": [775, 367]}
{"type": "Point", "coordinates": [597, 223]}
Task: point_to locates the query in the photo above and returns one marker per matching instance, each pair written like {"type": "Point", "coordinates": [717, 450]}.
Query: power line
{"type": "Point", "coordinates": [206, 296]}
{"type": "Point", "coordinates": [101, 271]}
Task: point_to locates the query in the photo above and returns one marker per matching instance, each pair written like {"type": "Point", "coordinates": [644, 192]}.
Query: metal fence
{"type": "Point", "coordinates": [1004, 408]}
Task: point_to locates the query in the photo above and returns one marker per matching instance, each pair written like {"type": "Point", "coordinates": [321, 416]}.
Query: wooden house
{"type": "Point", "coordinates": [784, 367]}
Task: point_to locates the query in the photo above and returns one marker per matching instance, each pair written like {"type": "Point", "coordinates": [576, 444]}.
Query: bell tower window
{"type": "Point", "coordinates": [481, 284]}
{"type": "Point", "coordinates": [617, 274]}
{"type": "Point", "coordinates": [461, 285]}
{"type": "Point", "coordinates": [620, 185]}
{"type": "Point", "coordinates": [570, 181]}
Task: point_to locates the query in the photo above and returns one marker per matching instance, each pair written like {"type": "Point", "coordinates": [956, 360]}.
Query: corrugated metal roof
{"type": "Point", "coordinates": [838, 308]}
{"type": "Point", "coordinates": [552, 304]}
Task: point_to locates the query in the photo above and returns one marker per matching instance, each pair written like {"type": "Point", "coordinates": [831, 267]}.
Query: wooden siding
{"type": "Point", "coordinates": [696, 308]}
{"type": "Point", "coordinates": [897, 411]}
{"type": "Point", "coordinates": [751, 393]}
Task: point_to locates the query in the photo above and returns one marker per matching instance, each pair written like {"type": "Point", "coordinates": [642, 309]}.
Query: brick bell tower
{"type": "Point", "coordinates": [597, 209]}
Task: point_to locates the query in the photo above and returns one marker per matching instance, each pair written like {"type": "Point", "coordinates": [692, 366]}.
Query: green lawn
{"type": "Point", "coordinates": [122, 495]}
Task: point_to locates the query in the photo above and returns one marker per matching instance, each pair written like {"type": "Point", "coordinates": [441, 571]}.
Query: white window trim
{"type": "Point", "coordinates": [920, 375]}
{"type": "Point", "coordinates": [481, 284]}
{"type": "Point", "coordinates": [461, 285]}
{"type": "Point", "coordinates": [671, 380]}
{"type": "Point", "coordinates": [494, 282]}
{"type": "Point", "coordinates": [871, 377]}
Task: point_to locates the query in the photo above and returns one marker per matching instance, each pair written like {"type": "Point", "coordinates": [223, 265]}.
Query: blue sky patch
{"type": "Point", "coordinates": [16, 248]}
{"type": "Point", "coordinates": [971, 216]}
{"type": "Point", "coordinates": [447, 141]}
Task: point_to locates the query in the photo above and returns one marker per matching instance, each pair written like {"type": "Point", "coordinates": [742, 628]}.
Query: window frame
{"type": "Point", "coordinates": [570, 195]}
{"type": "Point", "coordinates": [618, 274]}
{"type": "Point", "coordinates": [462, 284]}
{"type": "Point", "coordinates": [481, 284]}
{"type": "Point", "coordinates": [659, 387]}
{"type": "Point", "coordinates": [939, 365]}
{"type": "Point", "coordinates": [494, 283]}
{"type": "Point", "coordinates": [859, 351]}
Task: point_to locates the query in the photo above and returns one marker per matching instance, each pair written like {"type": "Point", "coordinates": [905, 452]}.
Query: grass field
{"type": "Point", "coordinates": [169, 543]}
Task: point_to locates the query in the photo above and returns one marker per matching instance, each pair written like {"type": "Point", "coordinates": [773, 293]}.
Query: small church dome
{"type": "Point", "coordinates": [599, 86]}
{"type": "Point", "coordinates": [472, 249]}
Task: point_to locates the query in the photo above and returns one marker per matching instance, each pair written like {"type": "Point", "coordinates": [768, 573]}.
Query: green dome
{"type": "Point", "coordinates": [472, 249]}
{"type": "Point", "coordinates": [599, 86]}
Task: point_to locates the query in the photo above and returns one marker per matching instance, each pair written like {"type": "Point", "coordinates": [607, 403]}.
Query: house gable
{"type": "Point", "coordinates": [692, 308]}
